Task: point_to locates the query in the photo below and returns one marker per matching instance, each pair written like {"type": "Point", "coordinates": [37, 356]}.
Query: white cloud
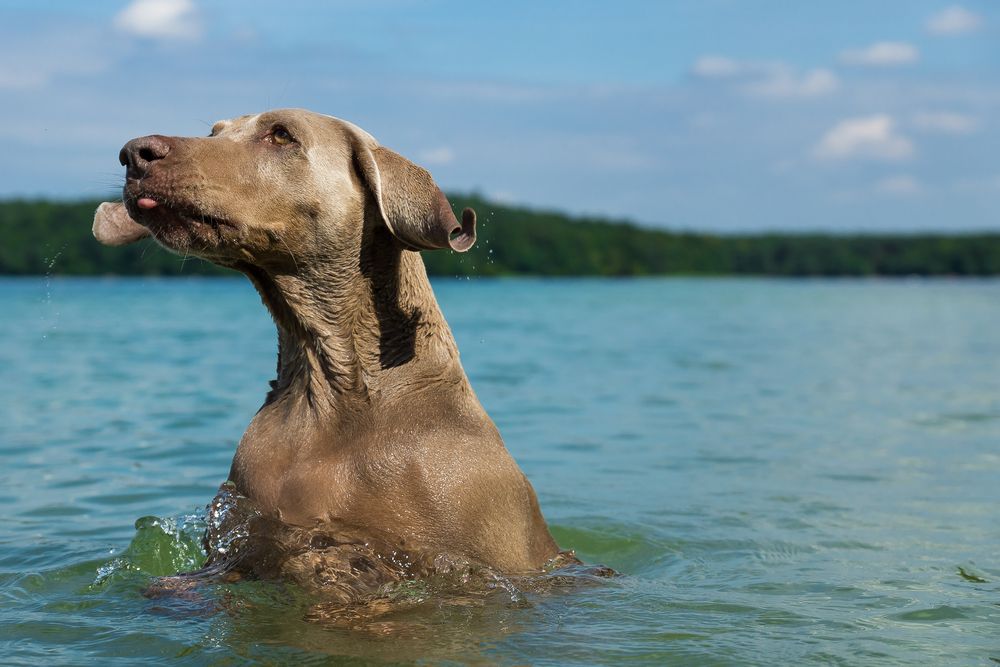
{"type": "Point", "coordinates": [716, 67]}
{"type": "Point", "coordinates": [945, 122]}
{"type": "Point", "coordinates": [882, 54]}
{"type": "Point", "coordinates": [954, 20]}
{"type": "Point", "coordinates": [437, 156]}
{"type": "Point", "coordinates": [767, 78]}
{"type": "Point", "coordinates": [785, 83]}
{"type": "Point", "coordinates": [160, 19]}
{"type": "Point", "coordinates": [899, 186]}
{"type": "Point", "coordinates": [867, 137]}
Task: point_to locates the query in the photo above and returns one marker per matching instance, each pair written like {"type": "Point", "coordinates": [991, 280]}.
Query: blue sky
{"type": "Point", "coordinates": [717, 115]}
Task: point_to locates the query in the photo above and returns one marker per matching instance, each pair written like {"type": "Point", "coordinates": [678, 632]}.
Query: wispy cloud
{"type": "Point", "coordinates": [769, 79]}
{"type": "Point", "coordinates": [738, 142]}
{"type": "Point", "coordinates": [868, 137]}
{"type": "Point", "coordinates": [900, 185]}
{"type": "Point", "coordinates": [721, 67]}
{"type": "Point", "coordinates": [30, 61]}
{"type": "Point", "coordinates": [945, 122]}
{"type": "Point", "coordinates": [503, 197]}
{"type": "Point", "coordinates": [785, 83]}
{"type": "Point", "coordinates": [440, 155]}
{"type": "Point", "coordinates": [882, 54]}
{"type": "Point", "coordinates": [954, 20]}
{"type": "Point", "coordinates": [160, 19]}
{"type": "Point", "coordinates": [984, 184]}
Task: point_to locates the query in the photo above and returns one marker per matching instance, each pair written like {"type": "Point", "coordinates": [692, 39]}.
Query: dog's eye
{"type": "Point", "coordinates": [281, 136]}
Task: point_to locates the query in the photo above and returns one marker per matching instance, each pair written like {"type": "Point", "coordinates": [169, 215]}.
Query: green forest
{"type": "Point", "coordinates": [44, 237]}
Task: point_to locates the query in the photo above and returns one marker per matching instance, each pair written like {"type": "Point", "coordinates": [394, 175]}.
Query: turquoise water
{"type": "Point", "coordinates": [785, 472]}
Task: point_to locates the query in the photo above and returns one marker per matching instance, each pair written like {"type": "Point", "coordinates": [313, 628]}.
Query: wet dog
{"type": "Point", "coordinates": [371, 458]}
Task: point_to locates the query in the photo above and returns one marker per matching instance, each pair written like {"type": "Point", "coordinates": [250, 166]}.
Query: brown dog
{"type": "Point", "coordinates": [371, 422]}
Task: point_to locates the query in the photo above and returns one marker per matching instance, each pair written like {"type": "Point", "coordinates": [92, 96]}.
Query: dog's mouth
{"type": "Point", "coordinates": [177, 222]}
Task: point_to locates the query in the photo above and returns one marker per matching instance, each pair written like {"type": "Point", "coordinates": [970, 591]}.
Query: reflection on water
{"type": "Point", "coordinates": [785, 472]}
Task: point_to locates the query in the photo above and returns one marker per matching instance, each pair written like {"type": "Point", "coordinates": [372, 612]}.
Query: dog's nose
{"type": "Point", "coordinates": [139, 154]}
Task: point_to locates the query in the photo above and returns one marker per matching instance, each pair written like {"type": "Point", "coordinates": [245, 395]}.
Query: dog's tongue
{"type": "Point", "coordinates": [147, 203]}
{"type": "Point", "coordinates": [113, 226]}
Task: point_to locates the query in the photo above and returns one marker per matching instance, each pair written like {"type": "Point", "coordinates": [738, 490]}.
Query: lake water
{"type": "Point", "coordinates": [785, 472]}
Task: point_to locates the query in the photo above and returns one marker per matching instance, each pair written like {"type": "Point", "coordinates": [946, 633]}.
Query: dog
{"type": "Point", "coordinates": [371, 433]}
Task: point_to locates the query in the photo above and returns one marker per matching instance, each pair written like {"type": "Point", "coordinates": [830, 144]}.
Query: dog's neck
{"type": "Point", "coordinates": [355, 334]}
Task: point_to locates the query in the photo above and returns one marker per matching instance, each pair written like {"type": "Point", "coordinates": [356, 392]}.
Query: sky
{"type": "Point", "coordinates": [707, 115]}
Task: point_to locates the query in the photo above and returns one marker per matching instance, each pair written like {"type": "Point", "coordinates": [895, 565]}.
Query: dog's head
{"type": "Point", "coordinates": [275, 187]}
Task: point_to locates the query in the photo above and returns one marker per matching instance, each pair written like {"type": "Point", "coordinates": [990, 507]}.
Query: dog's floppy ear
{"type": "Point", "coordinates": [412, 206]}
{"type": "Point", "coordinates": [114, 226]}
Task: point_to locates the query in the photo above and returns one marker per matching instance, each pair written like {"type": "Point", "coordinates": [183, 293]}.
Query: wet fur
{"type": "Point", "coordinates": [371, 441]}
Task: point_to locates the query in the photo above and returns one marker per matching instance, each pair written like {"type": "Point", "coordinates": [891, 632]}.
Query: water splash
{"type": "Point", "coordinates": [336, 575]}
{"type": "Point", "coordinates": [52, 319]}
{"type": "Point", "coordinates": [160, 547]}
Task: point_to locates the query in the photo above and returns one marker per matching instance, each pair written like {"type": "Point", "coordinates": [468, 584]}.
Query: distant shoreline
{"type": "Point", "coordinates": [39, 238]}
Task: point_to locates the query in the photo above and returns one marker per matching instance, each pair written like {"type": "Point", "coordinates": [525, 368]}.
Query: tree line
{"type": "Point", "coordinates": [46, 237]}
